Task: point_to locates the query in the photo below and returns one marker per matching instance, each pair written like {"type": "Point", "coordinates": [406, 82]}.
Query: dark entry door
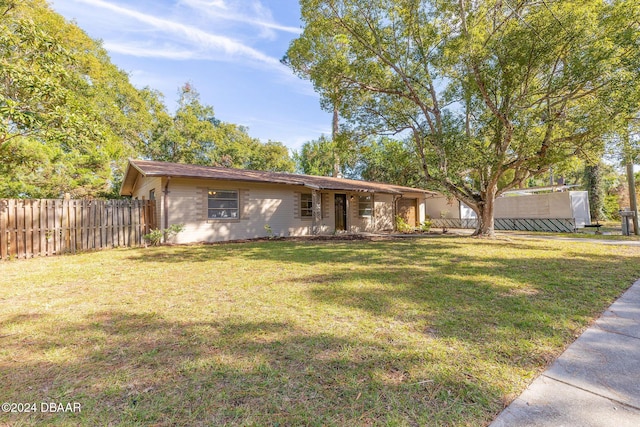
{"type": "Point", "coordinates": [341, 212]}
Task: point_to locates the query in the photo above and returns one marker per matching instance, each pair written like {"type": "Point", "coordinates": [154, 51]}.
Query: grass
{"type": "Point", "coordinates": [579, 235]}
{"type": "Point", "coordinates": [434, 331]}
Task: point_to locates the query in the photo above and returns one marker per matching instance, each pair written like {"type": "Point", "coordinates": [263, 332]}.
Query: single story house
{"type": "Point", "coordinates": [218, 204]}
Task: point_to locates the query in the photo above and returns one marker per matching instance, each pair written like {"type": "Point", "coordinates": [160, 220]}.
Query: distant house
{"type": "Point", "coordinates": [218, 204]}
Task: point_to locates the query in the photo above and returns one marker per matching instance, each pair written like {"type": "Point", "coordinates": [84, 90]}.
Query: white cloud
{"type": "Point", "coordinates": [262, 16]}
{"type": "Point", "coordinates": [145, 51]}
{"type": "Point", "coordinates": [199, 39]}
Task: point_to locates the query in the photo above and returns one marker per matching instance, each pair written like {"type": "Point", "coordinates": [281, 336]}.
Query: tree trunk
{"type": "Point", "coordinates": [633, 203]}
{"type": "Point", "coordinates": [593, 178]}
{"type": "Point", "coordinates": [485, 212]}
{"type": "Point", "coordinates": [334, 135]}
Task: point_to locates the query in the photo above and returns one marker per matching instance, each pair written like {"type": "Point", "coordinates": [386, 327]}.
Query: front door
{"type": "Point", "coordinates": [341, 212]}
{"type": "Point", "coordinates": [407, 210]}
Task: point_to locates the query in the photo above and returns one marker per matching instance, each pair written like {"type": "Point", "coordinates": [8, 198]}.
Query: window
{"type": "Point", "coordinates": [306, 205]}
{"type": "Point", "coordinates": [152, 194]}
{"type": "Point", "coordinates": [223, 204]}
{"type": "Point", "coordinates": [365, 206]}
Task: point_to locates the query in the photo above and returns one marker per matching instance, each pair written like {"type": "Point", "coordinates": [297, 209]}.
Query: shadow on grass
{"type": "Point", "coordinates": [405, 333]}
{"type": "Point", "coordinates": [140, 369]}
{"type": "Point", "coordinates": [403, 251]}
{"type": "Point", "coordinates": [544, 291]}
{"type": "Point", "coordinates": [548, 295]}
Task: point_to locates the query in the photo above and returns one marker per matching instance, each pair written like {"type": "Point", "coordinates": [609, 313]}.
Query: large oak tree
{"type": "Point", "coordinates": [490, 92]}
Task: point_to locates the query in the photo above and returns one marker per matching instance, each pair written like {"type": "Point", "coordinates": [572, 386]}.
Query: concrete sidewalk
{"type": "Point", "coordinates": [595, 382]}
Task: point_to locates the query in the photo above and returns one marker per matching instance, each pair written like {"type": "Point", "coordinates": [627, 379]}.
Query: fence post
{"type": "Point", "coordinates": [28, 228]}
{"type": "Point", "coordinates": [4, 218]}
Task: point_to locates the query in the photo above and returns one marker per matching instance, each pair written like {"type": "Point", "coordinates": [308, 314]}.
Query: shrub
{"type": "Point", "coordinates": [403, 226]}
{"type": "Point", "coordinates": [611, 207]}
{"type": "Point", "coordinates": [425, 227]}
{"type": "Point", "coordinates": [155, 236]}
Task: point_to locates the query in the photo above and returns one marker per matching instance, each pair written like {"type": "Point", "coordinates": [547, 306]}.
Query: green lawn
{"type": "Point", "coordinates": [431, 331]}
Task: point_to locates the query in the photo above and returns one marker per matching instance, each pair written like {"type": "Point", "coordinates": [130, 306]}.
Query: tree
{"type": "Point", "coordinates": [195, 136]}
{"type": "Point", "coordinates": [271, 156]}
{"type": "Point", "coordinates": [35, 78]}
{"type": "Point", "coordinates": [390, 161]}
{"type": "Point", "coordinates": [594, 185]}
{"type": "Point", "coordinates": [68, 117]}
{"type": "Point", "coordinates": [316, 157]}
{"type": "Point", "coordinates": [188, 136]}
{"type": "Point", "coordinates": [488, 91]}
{"type": "Point", "coordinates": [322, 156]}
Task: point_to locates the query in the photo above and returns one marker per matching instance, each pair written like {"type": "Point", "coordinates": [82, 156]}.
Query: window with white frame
{"type": "Point", "coordinates": [223, 204]}
{"type": "Point", "coordinates": [365, 205]}
{"type": "Point", "coordinates": [306, 205]}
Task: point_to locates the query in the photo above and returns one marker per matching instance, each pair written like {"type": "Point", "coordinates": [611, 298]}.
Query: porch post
{"type": "Point", "coordinates": [317, 211]}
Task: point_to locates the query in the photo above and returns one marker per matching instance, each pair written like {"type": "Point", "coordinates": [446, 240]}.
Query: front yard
{"type": "Point", "coordinates": [434, 331]}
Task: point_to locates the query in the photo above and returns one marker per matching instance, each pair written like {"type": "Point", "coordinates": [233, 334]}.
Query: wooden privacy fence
{"type": "Point", "coordinates": [42, 227]}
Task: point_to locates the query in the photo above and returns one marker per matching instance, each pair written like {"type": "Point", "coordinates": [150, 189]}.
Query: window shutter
{"type": "Point", "coordinates": [353, 206]}
{"type": "Point", "coordinates": [324, 200]}
{"type": "Point", "coordinates": [373, 206]}
{"type": "Point", "coordinates": [296, 205]}
{"type": "Point", "coordinates": [243, 196]}
{"type": "Point", "coordinates": [202, 202]}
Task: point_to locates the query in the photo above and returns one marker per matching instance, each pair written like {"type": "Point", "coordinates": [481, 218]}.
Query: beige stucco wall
{"type": "Point", "coordinates": [142, 190]}
{"type": "Point", "coordinates": [384, 212]}
{"type": "Point", "coordinates": [260, 205]}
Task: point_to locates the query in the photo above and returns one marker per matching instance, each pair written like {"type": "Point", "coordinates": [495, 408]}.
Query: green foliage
{"type": "Point", "coordinates": [36, 81]}
{"type": "Point", "coordinates": [68, 117]}
{"type": "Point", "coordinates": [156, 236]}
{"type": "Point", "coordinates": [611, 207]}
{"type": "Point", "coordinates": [390, 161]}
{"type": "Point", "coordinates": [318, 157]}
{"type": "Point", "coordinates": [269, 231]}
{"type": "Point", "coordinates": [271, 156]}
{"type": "Point", "coordinates": [491, 93]}
{"type": "Point", "coordinates": [377, 159]}
{"type": "Point", "coordinates": [194, 135]}
{"type": "Point", "coordinates": [402, 225]}
{"type": "Point", "coordinates": [425, 227]}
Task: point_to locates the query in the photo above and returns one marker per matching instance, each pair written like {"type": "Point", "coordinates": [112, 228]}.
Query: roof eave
{"type": "Point", "coordinates": [129, 180]}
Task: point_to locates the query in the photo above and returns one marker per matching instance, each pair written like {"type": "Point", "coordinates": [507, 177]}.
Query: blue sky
{"type": "Point", "coordinates": [228, 49]}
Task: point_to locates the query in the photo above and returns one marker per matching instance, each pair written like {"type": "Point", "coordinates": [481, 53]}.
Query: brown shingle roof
{"type": "Point", "coordinates": [152, 168]}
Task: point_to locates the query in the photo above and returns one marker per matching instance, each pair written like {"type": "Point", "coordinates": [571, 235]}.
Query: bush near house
{"type": "Point", "coordinates": [156, 236]}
